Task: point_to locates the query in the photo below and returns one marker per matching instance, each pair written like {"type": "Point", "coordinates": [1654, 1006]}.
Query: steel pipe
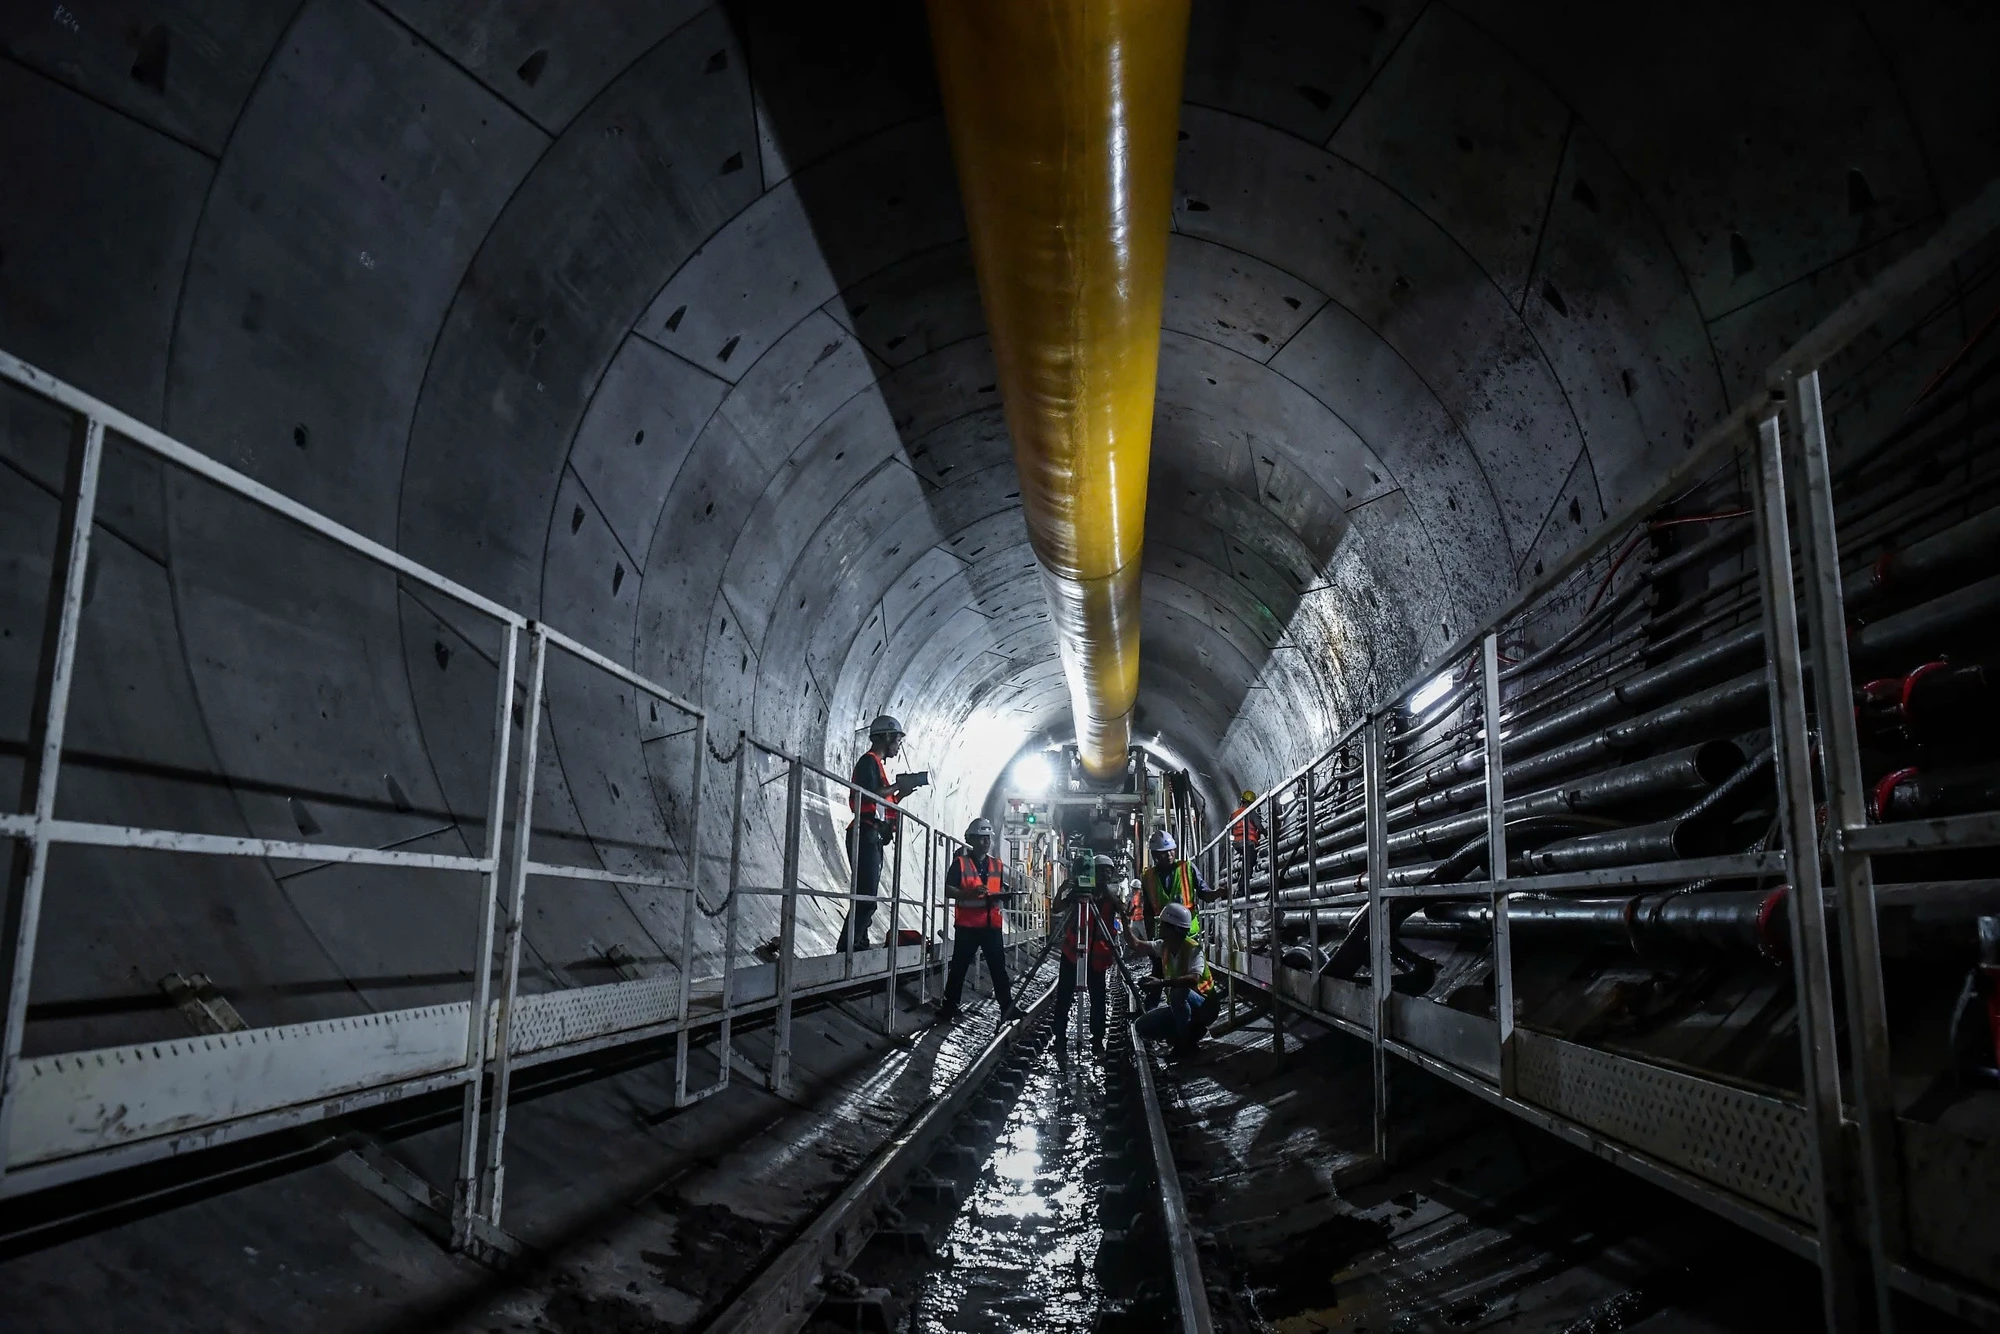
{"type": "Point", "coordinates": [1694, 768]}
{"type": "Point", "coordinates": [1063, 121]}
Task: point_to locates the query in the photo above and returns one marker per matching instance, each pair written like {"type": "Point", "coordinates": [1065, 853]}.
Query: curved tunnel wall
{"type": "Point", "coordinates": [661, 326]}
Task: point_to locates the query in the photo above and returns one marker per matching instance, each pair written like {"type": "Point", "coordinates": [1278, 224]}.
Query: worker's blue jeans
{"type": "Point", "coordinates": [1179, 1019]}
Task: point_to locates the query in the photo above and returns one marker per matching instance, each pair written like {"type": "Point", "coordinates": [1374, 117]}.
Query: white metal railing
{"type": "Point", "coordinates": [183, 1095]}
{"type": "Point", "coordinates": [1777, 441]}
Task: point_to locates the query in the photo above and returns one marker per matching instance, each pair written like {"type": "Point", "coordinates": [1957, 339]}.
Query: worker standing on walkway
{"type": "Point", "coordinates": [1246, 831]}
{"type": "Point", "coordinates": [1091, 920]}
{"type": "Point", "coordinates": [874, 826]}
{"type": "Point", "coordinates": [1170, 879]}
{"type": "Point", "coordinates": [975, 886]}
{"type": "Point", "coordinates": [1184, 982]}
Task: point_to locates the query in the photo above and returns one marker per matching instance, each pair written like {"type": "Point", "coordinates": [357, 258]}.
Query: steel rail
{"type": "Point", "coordinates": [1190, 1292]}
{"type": "Point", "coordinates": [784, 1294]}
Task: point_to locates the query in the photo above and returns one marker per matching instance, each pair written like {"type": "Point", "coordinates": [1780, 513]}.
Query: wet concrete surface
{"type": "Point", "coordinates": [638, 1217]}
{"type": "Point", "coordinates": [1047, 1224]}
{"type": "Point", "coordinates": [1482, 1224]}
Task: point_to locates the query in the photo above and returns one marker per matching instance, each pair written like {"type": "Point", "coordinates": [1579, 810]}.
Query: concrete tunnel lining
{"type": "Point", "coordinates": [370, 283]}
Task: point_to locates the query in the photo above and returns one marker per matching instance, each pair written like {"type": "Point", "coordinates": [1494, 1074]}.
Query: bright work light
{"type": "Point", "coordinates": [1032, 774]}
{"type": "Point", "coordinates": [1430, 693]}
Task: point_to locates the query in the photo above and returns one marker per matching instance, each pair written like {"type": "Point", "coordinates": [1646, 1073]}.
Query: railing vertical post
{"type": "Point", "coordinates": [1376, 821]}
{"type": "Point", "coordinates": [788, 930]}
{"type": "Point", "coordinates": [850, 927]}
{"type": "Point", "coordinates": [469, 1189]}
{"type": "Point", "coordinates": [493, 1180]}
{"type": "Point", "coordinates": [29, 865]}
{"type": "Point", "coordinates": [924, 946]}
{"type": "Point", "coordinates": [889, 942]}
{"type": "Point", "coordinates": [1272, 827]}
{"type": "Point", "coordinates": [1811, 969]}
{"type": "Point", "coordinates": [688, 895]}
{"type": "Point", "coordinates": [1854, 878]}
{"type": "Point", "coordinates": [724, 1048]}
{"type": "Point", "coordinates": [1312, 871]}
{"type": "Point", "coordinates": [1496, 860]}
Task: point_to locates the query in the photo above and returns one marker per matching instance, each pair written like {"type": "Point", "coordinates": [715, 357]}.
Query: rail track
{"type": "Point", "coordinates": [1030, 1189]}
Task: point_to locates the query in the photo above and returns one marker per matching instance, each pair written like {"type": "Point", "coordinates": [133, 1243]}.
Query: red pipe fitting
{"type": "Point", "coordinates": [1773, 943]}
{"type": "Point", "coordinates": [1885, 788]}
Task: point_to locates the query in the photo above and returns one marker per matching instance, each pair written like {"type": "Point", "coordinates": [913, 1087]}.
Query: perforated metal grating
{"type": "Point", "coordinates": [552, 1018]}
{"type": "Point", "coordinates": [1750, 1144]}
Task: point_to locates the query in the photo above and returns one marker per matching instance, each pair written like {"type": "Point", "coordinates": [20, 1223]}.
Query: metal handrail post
{"type": "Point", "coordinates": [949, 906]}
{"type": "Point", "coordinates": [494, 1179]}
{"type": "Point", "coordinates": [1496, 862]}
{"type": "Point", "coordinates": [851, 926]}
{"type": "Point", "coordinates": [688, 942]}
{"type": "Point", "coordinates": [924, 935]}
{"type": "Point", "coordinates": [1378, 926]}
{"type": "Point", "coordinates": [895, 950]}
{"type": "Point", "coordinates": [29, 867]}
{"type": "Point", "coordinates": [1853, 872]}
{"type": "Point", "coordinates": [788, 930]}
{"type": "Point", "coordinates": [1312, 875]}
{"type": "Point", "coordinates": [724, 1040]}
{"type": "Point", "coordinates": [1811, 971]}
{"type": "Point", "coordinates": [470, 1189]}
{"type": "Point", "coordinates": [1272, 825]}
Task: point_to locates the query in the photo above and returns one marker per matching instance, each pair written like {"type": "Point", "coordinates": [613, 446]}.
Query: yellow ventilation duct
{"type": "Point", "coordinates": [1063, 117]}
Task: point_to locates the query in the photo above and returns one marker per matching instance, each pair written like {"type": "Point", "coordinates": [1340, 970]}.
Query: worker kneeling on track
{"type": "Point", "coordinates": [976, 888]}
{"type": "Point", "coordinates": [1091, 920]}
{"type": "Point", "coordinates": [1184, 982]}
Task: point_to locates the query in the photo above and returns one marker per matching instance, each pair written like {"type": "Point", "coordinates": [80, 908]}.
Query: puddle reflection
{"type": "Point", "coordinates": [1022, 1254]}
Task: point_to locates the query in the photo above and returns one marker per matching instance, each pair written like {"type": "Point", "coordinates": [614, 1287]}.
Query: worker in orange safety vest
{"type": "Point", "coordinates": [976, 887]}
{"type": "Point", "coordinates": [874, 825]}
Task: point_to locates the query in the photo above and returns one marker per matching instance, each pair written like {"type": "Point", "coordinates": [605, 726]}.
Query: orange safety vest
{"type": "Point", "coordinates": [977, 914]}
{"type": "Point", "coordinates": [1244, 830]}
{"type": "Point", "coordinates": [1100, 942]}
{"type": "Point", "coordinates": [866, 806]}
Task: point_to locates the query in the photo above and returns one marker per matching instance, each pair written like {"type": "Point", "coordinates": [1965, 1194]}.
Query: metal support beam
{"type": "Point", "coordinates": [48, 716]}
{"type": "Point", "coordinates": [1811, 969]}
{"type": "Point", "coordinates": [1377, 820]}
{"type": "Point", "coordinates": [788, 930]}
{"type": "Point", "coordinates": [471, 1195]}
{"type": "Point", "coordinates": [1853, 872]}
{"type": "Point", "coordinates": [1496, 860]}
{"type": "Point", "coordinates": [501, 1062]}
{"type": "Point", "coordinates": [690, 950]}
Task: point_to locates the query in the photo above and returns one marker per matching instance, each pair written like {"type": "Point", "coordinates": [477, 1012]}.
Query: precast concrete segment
{"type": "Point", "coordinates": [1066, 191]}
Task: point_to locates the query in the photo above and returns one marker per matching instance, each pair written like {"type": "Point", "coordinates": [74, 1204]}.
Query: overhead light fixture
{"type": "Point", "coordinates": [1430, 692]}
{"type": "Point", "coordinates": [1032, 775]}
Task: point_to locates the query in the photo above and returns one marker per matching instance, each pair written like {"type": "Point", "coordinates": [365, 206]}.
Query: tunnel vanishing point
{"type": "Point", "coordinates": [1509, 490]}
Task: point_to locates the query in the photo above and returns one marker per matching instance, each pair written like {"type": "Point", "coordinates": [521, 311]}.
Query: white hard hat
{"type": "Point", "coordinates": [1162, 841]}
{"type": "Point", "coordinates": [1176, 915]}
{"type": "Point", "coordinates": [885, 724]}
{"type": "Point", "coordinates": [980, 828]}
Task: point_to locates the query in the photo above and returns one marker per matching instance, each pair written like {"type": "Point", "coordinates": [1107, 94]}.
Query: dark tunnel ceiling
{"type": "Point", "coordinates": [658, 319]}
